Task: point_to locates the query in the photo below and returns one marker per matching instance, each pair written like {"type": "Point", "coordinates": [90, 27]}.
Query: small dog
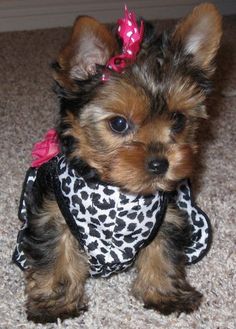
{"type": "Point", "coordinates": [127, 136]}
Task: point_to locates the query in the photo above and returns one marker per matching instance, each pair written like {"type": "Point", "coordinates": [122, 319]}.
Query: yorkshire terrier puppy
{"type": "Point", "coordinates": [127, 138]}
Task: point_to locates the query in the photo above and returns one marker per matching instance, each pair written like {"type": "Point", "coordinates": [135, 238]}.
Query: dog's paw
{"type": "Point", "coordinates": [48, 311]}
{"type": "Point", "coordinates": [179, 299]}
{"type": "Point", "coordinates": [181, 302]}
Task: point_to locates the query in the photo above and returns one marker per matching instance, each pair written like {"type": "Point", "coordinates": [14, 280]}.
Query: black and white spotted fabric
{"type": "Point", "coordinates": [112, 225]}
{"type": "Point", "coordinates": [200, 224]}
{"type": "Point", "coordinates": [18, 255]}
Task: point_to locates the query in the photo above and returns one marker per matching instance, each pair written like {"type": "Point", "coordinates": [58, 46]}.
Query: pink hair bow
{"type": "Point", "coordinates": [131, 36]}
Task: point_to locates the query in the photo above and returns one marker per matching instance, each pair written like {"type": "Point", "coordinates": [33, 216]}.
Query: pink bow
{"type": "Point", "coordinates": [132, 37]}
{"type": "Point", "coordinates": [46, 149]}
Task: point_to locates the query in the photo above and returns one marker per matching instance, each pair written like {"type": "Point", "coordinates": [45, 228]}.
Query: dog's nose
{"type": "Point", "coordinates": [158, 166]}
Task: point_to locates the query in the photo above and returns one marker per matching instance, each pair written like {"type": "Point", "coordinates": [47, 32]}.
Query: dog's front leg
{"type": "Point", "coordinates": [161, 281]}
{"type": "Point", "coordinates": [55, 281]}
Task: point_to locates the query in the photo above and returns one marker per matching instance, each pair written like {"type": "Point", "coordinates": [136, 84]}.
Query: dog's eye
{"type": "Point", "coordinates": [119, 125]}
{"type": "Point", "coordinates": [179, 121]}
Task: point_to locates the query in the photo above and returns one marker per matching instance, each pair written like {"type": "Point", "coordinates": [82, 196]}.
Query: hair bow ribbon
{"type": "Point", "coordinates": [131, 36]}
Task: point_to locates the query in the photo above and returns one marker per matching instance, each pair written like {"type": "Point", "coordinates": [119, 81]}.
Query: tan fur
{"type": "Point", "coordinates": [77, 58]}
{"type": "Point", "coordinates": [160, 283]}
{"type": "Point", "coordinates": [113, 155]}
{"type": "Point", "coordinates": [58, 289]}
{"type": "Point", "coordinates": [185, 96]}
{"type": "Point", "coordinates": [154, 268]}
{"type": "Point", "coordinates": [204, 17]}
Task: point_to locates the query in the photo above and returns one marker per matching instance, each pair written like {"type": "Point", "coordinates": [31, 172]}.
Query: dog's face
{"type": "Point", "coordinates": [137, 129]}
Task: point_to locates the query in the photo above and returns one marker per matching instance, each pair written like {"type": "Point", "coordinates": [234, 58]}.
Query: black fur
{"type": "Point", "coordinates": [40, 239]}
{"type": "Point", "coordinates": [177, 238]}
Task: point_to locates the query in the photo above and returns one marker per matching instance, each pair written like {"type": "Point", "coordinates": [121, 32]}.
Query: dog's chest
{"type": "Point", "coordinates": [112, 225]}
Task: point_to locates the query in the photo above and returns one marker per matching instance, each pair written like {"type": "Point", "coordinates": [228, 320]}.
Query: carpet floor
{"type": "Point", "coordinates": [28, 108]}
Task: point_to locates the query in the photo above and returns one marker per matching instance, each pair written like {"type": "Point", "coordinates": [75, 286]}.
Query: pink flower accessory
{"type": "Point", "coordinates": [132, 37]}
{"type": "Point", "coordinates": [46, 149]}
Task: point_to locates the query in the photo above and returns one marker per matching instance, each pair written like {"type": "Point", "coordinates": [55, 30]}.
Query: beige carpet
{"type": "Point", "coordinates": [28, 108]}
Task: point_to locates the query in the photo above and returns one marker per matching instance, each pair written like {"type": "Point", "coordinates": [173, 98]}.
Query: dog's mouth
{"type": "Point", "coordinates": [139, 184]}
{"type": "Point", "coordinates": [136, 174]}
{"type": "Point", "coordinates": [138, 180]}
{"type": "Point", "coordinates": [132, 184]}
{"type": "Point", "coordinates": [149, 187]}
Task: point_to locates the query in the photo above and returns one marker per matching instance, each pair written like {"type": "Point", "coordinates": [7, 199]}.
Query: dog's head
{"type": "Point", "coordinates": [137, 129]}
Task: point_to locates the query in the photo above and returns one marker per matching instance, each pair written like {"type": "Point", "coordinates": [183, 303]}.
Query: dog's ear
{"type": "Point", "coordinates": [199, 35]}
{"type": "Point", "coordinates": [90, 43]}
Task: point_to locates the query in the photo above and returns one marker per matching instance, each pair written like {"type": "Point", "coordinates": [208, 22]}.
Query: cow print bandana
{"type": "Point", "coordinates": [111, 225]}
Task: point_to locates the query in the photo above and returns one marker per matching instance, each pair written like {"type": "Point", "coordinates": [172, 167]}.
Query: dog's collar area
{"type": "Point", "coordinates": [84, 170]}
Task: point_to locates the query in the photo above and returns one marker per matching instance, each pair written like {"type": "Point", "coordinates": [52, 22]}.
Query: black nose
{"type": "Point", "coordinates": [158, 166]}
